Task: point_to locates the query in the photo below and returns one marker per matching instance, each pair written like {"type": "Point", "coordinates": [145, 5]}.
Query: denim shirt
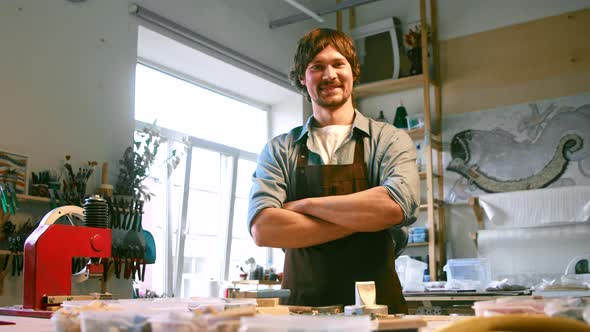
{"type": "Point", "coordinates": [390, 157]}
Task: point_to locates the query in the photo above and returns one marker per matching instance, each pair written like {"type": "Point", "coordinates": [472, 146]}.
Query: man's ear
{"type": "Point", "coordinates": [302, 80]}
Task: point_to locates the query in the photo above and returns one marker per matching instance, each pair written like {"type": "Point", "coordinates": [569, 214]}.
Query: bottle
{"type": "Point", "coordinates": [381, 117]}
{"type": "Point", "coordinates": [418, 157]}
{"type": "Point", "coordinates": [426, 277]}
{"type": "Point", "coordinates": [401, 117]}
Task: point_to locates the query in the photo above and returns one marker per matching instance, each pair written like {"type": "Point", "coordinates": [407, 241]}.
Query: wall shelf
{"type": "Point", "coordinates": [388, 86]}
{"type": "Point", "coordinates": [416, 133]}
{"type": "Point", "coordinates": [423, 175]}
{"type": "Point", "coordinates": [8, 252]}
{"type": "Point", "coordinates": [256, 282]}
{"type": "Point", "coordinates": [32, 198]}
{"type": "Point", "coordinates": [437, 203]}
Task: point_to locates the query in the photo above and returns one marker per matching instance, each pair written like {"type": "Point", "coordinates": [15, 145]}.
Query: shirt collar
{"type": "Point", "coordinates": [360, 123]}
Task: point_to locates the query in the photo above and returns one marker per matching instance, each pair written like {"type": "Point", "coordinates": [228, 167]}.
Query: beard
{"type": "Point", "coordinates": [332, 101]}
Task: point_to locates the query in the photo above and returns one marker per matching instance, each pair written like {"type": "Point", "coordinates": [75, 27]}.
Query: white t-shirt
{"type": "Point", "coordinates": [326, 140]}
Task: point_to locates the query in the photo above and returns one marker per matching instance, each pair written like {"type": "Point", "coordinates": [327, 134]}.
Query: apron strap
{"type": "Point", "coordinates": [303, 153]}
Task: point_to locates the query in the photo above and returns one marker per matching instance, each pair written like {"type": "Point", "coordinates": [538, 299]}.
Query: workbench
{"type": "Point", "coordinates": [45, 325]}
{"type": "Point", "coordinates": [447, 303]}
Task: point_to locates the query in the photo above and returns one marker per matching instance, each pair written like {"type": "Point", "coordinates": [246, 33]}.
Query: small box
{"type": "Point", "coordinates": [267, 302]}
{"type": "Point", "coordinates": [472, 273]}
{"type": "Point", "coordinates": [415, 121]}
{"type": "Point", "coordinates": [418, 235]}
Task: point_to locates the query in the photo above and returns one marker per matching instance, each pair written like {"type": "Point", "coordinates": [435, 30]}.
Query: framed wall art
{"type": "Point", "coordinates": [14, 169]}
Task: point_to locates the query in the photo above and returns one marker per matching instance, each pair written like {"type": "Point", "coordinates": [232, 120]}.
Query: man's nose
{"type": "Point", "coordinates": [329, 73]}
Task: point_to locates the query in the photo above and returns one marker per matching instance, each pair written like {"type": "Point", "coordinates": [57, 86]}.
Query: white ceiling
{"type": "Point", "coordinates": [243, 26]}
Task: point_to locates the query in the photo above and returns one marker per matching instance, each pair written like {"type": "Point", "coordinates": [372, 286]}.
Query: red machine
{"type": "Point", "coordinates": [49, 251]}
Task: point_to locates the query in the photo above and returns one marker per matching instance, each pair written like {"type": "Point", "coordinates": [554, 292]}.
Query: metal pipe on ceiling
{"type": "Point", "coordinates": [320, 12]}
{"type": "Point", "coordinates": [305, 10]}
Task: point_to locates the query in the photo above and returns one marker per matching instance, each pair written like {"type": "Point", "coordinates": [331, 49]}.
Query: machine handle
{"type": "Point", "coordinates": [105, 173]}
{"type": "Point", "coordinates": [67, 210]}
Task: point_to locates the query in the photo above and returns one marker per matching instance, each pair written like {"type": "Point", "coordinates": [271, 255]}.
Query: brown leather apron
{"type": "Point", "coordinates": [325, 274]}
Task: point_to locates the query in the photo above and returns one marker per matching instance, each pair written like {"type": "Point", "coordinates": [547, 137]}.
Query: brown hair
{"type": "Point", "coordinates": [313, 43]}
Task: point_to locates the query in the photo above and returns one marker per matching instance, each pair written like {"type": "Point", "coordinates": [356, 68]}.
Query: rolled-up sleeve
{"type": "Point", "coordinates": [399, 174]}
{"type": "Point", "coordinates": [269, 181]}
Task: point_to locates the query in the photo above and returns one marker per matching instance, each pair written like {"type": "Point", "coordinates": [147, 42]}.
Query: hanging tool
{"type": "Point", "coordinates": [11, 200]}
{"type": "Point", "coordinates": [4, 272]}
{"type": "Point", "coordinates": [128, 238]}
{"type": "Point", "coordinates": [3, 199]}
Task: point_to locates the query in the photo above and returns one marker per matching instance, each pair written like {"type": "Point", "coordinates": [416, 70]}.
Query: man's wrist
{"type": "Point", "coordinates": [305, 205]}
{"type": "Point", "coordinates": [299, 206]}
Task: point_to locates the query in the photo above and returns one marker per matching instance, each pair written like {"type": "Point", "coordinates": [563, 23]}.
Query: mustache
{"type": "Point", "coordinates": [330, 84]}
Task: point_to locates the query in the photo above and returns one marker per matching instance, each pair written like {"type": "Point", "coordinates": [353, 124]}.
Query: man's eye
{"type": "Point", "coordinates": [315, 67]}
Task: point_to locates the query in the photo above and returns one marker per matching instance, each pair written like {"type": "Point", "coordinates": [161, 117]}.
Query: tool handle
{"type": "Point", "coordinates": [105, 173]}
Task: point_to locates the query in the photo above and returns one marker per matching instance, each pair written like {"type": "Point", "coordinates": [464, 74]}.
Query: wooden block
{"type": "Point", "coordinates": [391, 322]}
{"type": "Point", "coordinates": [279, 310]}
{"type": "Point", "coordinates": [267, 302]}
{"type": "Point", "coordinates": [263, 293]}
{"type": "Point", "coordinates": [299, 309]}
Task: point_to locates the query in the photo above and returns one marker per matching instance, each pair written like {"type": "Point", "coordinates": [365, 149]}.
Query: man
{"type": "Point", "coordinates": [330, 191]}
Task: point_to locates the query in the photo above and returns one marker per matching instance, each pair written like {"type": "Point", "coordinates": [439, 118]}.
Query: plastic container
{"type": "Point", "coordinates": [509, 305]}
{"type": "Point", "coordinates": [177, 322]}
{"type": "Point", "coordinates": [158, 305]}
{"type": "Point", "coordinates": [67, 318]}
{"type": "Point", "coordinates": [108, 321]}
{"type": "Point", "coordinates": [419, 158]}
{"type": "Point", "coordinates": [411, 273]}
{"type": "Point", "coordinates": [305, 323]}
{"type": "Point", "coordinates": [471, 273]}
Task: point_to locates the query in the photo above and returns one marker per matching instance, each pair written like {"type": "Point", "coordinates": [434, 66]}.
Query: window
{"type": "Point", "coordinates": [206, 196]}
{"type": "Point", "coordinates": [195, 111]}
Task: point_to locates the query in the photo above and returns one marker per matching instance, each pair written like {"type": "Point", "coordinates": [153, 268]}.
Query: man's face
{"type": "Point", "coordinates": [328, 79]}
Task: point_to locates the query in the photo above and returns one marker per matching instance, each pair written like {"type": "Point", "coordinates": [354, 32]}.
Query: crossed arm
{"type": "Point", "coordinates": [317, 220]}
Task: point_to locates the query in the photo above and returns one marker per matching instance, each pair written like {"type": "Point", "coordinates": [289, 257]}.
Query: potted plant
{"type": "Point", "coordinates": [75, 182]}
{"type": "Point", "coordinates": [137, 160]}
{"type": "Point", "coordinates": [413, 39]}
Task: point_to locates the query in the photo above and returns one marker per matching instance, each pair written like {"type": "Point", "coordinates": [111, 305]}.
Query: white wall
{"type": "Point", "coordinates": [67, 80]}
{"type": "Point", "coordinates": [243, 25]}
{"type": "Point", "coordinates": [66, 87]}
{"type": "Point", "coordinates": [285, 116]}
{"type": "Point", "coordinates": [464, 17]}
